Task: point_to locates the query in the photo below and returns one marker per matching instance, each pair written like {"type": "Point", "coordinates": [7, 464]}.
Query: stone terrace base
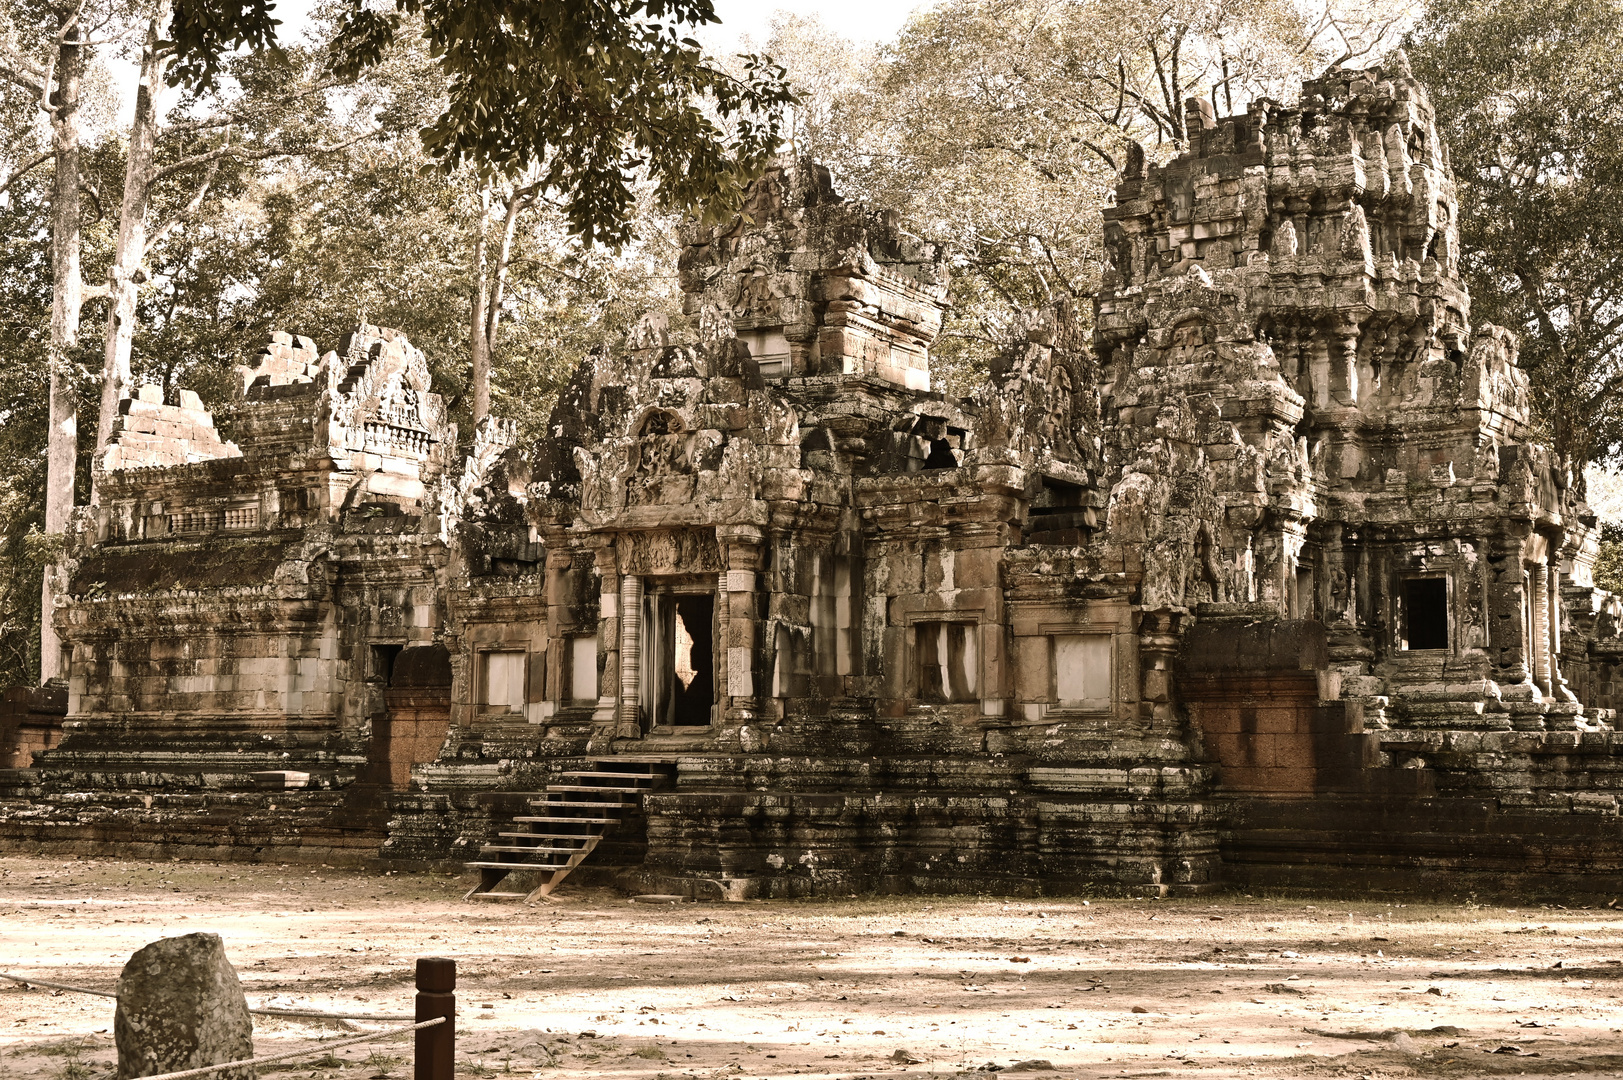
{"type": "Point", "coordinates": [287, 790]}
{"type": "Point", "coordinates": [793, 824]}
{"type": "Point", "coordinates": [294, 827]}
{"type": "Point", "coordinates": [1441, 846]}
{"type": "Point", "coordinates": [739, 844]}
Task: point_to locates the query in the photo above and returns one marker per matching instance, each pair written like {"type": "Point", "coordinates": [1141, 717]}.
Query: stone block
{"type": "Point", "coordinates": [181, 1006]}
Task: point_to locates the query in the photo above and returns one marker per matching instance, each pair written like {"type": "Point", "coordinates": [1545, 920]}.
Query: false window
{"type": "Point", "coordinates": [1302, 605]}
{"type": "Point", "coordinates": [948, 661]}
{"type": "Point", "coordinates": [383, 658]}
{"type": "Point", "coordinates": [501, 680]}
{"type": "Point", "coordinates": [1082, 671]}
{"type": "Point", "coordinates": [583, 668]}
{"type": "Point", "coordinates": [1425, 613]}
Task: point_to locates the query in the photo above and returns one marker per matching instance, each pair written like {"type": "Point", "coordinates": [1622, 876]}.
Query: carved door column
{"type": "Point", "coordinates": [1539, 613]}
{"type": "Point", "coordinates": [1158, 639]}
{"type": "Point", "coordinates": [1552, 600]}
{"type": "Point", "coordinates": [1510, 631]}
{"type": "Point", "coordinates": [629, 724]}
{"type": "Point", "coordinates": [608, 636]}
{"type": "Point", "coordinates": [742, 552]}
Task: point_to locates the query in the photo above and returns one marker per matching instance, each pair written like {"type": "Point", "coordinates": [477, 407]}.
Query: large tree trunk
{"type": "Point", "coordinates": [123, 283]}
{"type": "Point", "coordinates": [478, 342]}
{"type": "Point", "coordinates": [67, 298]}
{"type": "Point", "coordinates": [488, 294]}
{"type": "Point", "coordinates": [515, 202]}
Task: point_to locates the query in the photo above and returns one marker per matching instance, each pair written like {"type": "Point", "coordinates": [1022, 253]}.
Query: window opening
{"type": "Point", "coordinates": [1425, 613]}
{"type": "Point", "coordinates": [941, 455]}
{"type": "Point", "coordinates": [947, 658]}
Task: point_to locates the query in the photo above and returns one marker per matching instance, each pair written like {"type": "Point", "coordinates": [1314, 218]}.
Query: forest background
{"type": "Point", "coordinates": [284, 198]}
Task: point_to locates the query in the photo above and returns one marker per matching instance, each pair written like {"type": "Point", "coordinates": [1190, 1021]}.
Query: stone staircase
{"type": "Point", "coordinates": [567, 823]}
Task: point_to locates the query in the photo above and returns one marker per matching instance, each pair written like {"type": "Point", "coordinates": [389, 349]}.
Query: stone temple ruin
{"type": "Point", "coordinates": [1262, 583]}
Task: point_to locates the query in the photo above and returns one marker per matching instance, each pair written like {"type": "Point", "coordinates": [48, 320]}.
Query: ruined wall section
{"type": "Point", "coordinates": [232, 603]}
{"type": "Point", "coordinates": [815, 285]}
{"type": "Point", "coordinates": [1303, 419]}
{"type": "Point", "coordinates": [1305, 436]}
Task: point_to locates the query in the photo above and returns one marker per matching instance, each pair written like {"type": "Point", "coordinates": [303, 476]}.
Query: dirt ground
{"type": "Point", "coordinates": [596, 985]}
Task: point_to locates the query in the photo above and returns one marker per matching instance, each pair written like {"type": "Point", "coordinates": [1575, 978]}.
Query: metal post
{"type": "Point", "coordinates": [436, 1046]}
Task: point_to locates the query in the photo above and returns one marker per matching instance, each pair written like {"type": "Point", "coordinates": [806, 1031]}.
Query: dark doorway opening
{"type": "Point", "coordinates": [696, 671]}
{"type": "Point", "coordinates": [416, 712]}
{"type": "Point", "coordinates": [1425, 613]}
{"type": "Point", "coordinates": [383, 658]}
{"type": "Point", "coordinates": [679, 659]}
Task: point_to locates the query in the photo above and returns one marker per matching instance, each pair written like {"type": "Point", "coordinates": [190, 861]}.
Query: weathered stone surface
{"type": "Point", "coordinates": [180, 1006]}
{"type": "Point", "coordinates": [1273, 529]}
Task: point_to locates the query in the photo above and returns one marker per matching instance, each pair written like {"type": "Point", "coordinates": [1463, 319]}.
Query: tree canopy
{"type": "Point", "coordinates": [590, 94]}
{"type": "Point", "coordinates": [1529, 97]}
{"type": "Point", "coordinates": [997, 126]}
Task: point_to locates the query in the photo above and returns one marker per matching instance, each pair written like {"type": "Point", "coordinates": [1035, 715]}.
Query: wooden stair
{"type": "Point", "coordinates": [566, 824]}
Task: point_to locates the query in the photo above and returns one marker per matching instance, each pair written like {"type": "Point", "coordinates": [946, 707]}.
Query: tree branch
{"type": "Point", "coordinates": [33, 163]}
{"type": "Point", "coordinates": [190, 208]}
{"type": "Point", "coordinates": [21, 73]}
{"type": "Point", "coordinates": [243, 153]}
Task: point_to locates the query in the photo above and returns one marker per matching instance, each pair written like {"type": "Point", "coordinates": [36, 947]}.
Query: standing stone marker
{"type": "Point", "coordinates": [180, 1006]}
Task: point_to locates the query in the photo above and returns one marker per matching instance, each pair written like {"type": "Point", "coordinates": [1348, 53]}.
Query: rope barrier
{"type": "Point", "coordinates": [56, 986]}
{"type": "Point", "coordinates": [276, 1059]}
{"type": "Point", "coordinates": [330, 1015]}
{"type": "Point", "coordinates": [311, 1013]}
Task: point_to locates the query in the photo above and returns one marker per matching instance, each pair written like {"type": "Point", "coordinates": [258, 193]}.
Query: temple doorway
{"type": "Point", "coordinates": [679, 658]}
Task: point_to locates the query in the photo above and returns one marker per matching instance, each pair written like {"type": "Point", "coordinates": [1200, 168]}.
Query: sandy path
{"type": "Point", "coordinates": [599, 986]}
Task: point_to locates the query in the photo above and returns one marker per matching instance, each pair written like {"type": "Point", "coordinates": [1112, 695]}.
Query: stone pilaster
{"type": "Point", "coordinates": [742, 552]}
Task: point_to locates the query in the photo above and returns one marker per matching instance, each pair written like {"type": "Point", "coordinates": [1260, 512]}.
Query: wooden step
{"type": "Point", "coordinates": [552, 788]}
{"type": "Point", "coordinates": [555, 804]}
{"type": "Point", "coordinates": [569, 820]}
{"type": "Point", "coordinates": [610, 776]}
{"type": "Point", "coordinates": [549, 835]}
{"type": "Point", "coordinates": [582, 792]}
